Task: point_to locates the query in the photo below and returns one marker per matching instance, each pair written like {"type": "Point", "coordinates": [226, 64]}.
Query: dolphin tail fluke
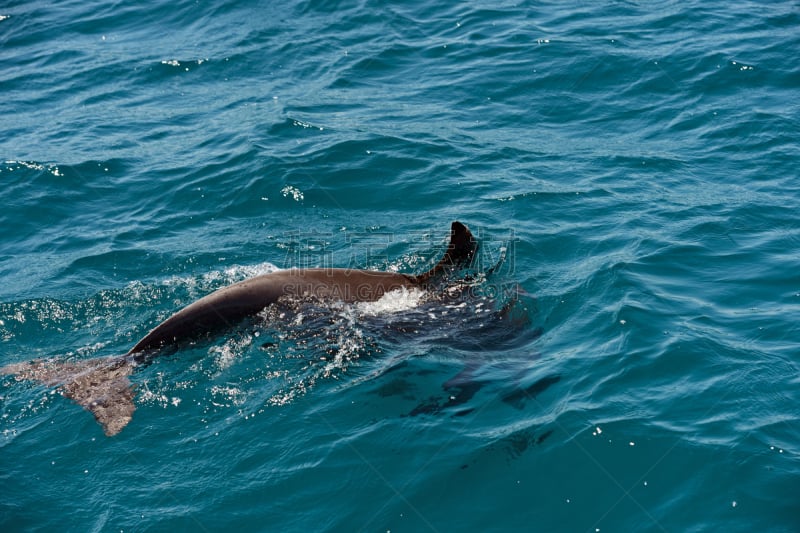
{"type": "Point", "coordinates": [99, 385]}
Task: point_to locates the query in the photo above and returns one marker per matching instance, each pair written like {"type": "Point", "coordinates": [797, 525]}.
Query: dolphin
{"type": "Point", "coordinates": [101, 385]}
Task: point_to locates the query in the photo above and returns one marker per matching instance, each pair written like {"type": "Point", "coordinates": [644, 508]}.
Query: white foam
{"type": "Point", "coordinates": [240, 272]}
{"type": "Point", "coordinates": [294, 192]}
{"type": "Point", "coordinates": [227, 353]}
{"type": "Point", "coordinates": [228, 275]}
{"type": "Point", "coordinates": [395, 301]}
{"type": "Point", "coordinates": [227, 395]}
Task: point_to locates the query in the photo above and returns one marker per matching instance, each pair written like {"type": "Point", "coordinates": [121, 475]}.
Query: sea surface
{"type": "Point", "coordinates": [627, 356]}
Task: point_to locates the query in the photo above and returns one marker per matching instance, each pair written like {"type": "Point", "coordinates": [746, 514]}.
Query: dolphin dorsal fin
{"type": "Point", "coordinates": [461, 249]}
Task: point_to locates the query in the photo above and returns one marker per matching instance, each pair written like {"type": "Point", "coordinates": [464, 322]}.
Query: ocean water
{"type": "Point", "coordinates": [629, 358]}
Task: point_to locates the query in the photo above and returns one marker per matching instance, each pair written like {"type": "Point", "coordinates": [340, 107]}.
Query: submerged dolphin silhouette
{"type": "Point", "coordinates": [101, 385]}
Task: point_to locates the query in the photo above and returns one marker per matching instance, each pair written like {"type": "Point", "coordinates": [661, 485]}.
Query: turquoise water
{"type": "Point", "coordinates": [637, 163]}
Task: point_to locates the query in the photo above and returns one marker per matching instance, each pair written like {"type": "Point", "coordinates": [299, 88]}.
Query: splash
{"type": "Point", "coordinates": [395, 301]}
{"type": "Point", "coordinates": [294, 192]}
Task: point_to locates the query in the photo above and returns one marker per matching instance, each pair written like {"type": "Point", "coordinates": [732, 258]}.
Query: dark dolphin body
{"type": "Point", "coordinates": [101, 385]}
